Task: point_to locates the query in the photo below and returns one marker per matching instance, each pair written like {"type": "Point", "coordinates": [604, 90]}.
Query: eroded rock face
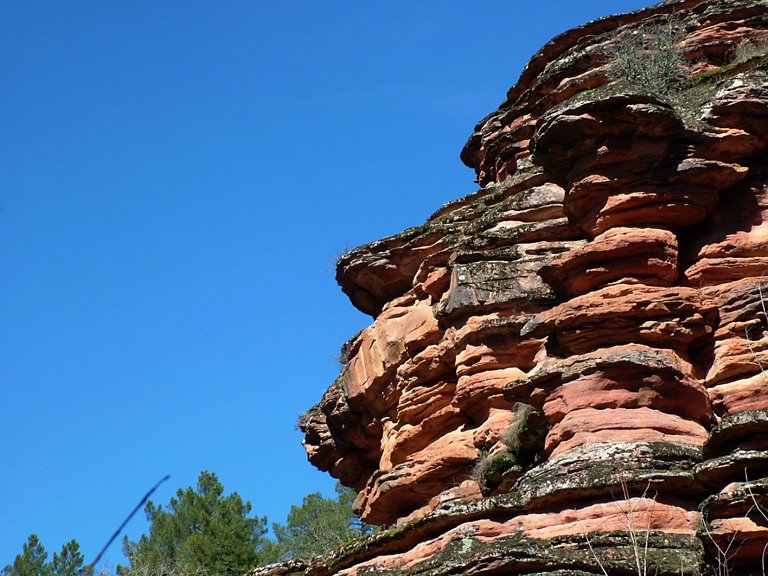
{"type": "Point", "coordinates": [574, 355]}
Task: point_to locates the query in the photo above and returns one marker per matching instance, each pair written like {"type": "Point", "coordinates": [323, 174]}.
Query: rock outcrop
{"type": "Point", "coordinates": [565, 373]}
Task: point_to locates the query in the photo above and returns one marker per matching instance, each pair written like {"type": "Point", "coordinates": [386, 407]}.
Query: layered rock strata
{"type": "Point", "coordinates": [565, 369]}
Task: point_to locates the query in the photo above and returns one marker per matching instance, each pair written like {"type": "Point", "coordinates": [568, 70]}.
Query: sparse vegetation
{"type": "Point", "coordinates": [519, 447]}
{"type": "Point", "coordinates": [638, 535]}
{"type": "Point", "coordinates": [490, 469]}
{"type": "Point", "coordinates": [482, 464]}
{"type": "Point", "coordinates": [753, 506]}
{"type": "Point", "coordinates": [648, 61]}
{"type": "Point", "coordinates": [525, 437]}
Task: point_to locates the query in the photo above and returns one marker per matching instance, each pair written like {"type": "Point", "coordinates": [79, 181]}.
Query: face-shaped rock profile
{"type": "Point", "coordinates": [565, 373]}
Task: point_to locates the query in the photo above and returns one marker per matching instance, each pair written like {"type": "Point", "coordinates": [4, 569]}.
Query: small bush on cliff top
{"type": "Point", "coordinates": [648, 61]}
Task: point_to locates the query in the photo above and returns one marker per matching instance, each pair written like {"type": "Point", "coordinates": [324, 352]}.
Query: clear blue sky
{"type": "Point", "coordinates": [177, 179]}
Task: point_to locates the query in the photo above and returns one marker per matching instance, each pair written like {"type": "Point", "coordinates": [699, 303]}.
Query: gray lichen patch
{"type": "Point", "coordinates": [662, 554]}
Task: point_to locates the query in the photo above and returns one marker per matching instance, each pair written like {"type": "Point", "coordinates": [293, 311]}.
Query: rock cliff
{"type": "Point", "coordinates": [565, 369]}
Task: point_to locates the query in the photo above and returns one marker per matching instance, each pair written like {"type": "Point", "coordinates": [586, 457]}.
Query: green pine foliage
{"type": "Point", "coordinates": [33, 560]}
{"type": "Point", "coordinates": [68, 562]}
{"type": "Point", "coordinates": [199, 531]}
{"type": "Point", "coordinates": [319, 525]}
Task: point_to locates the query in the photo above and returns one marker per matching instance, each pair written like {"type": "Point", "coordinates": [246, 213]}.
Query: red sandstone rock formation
{"type": "Point", "coordinates": [572, 357]}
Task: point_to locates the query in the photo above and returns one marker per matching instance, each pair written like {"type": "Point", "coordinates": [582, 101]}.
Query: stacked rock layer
{"type": "Point", "coordinates": [565, 373]}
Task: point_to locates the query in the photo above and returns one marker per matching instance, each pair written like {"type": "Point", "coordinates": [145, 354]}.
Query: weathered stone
{"type": "Point", "coordinates": [443, 463]}
{"type": "Point", "coordinates": [742, 431]}
{"type": "Point", "coordinates": [590, 425]}
{"type": "Point", "coordinates": [487, 285]}
{"type": "Point", "coordinates": [607, 387]}
{"type": "Point", "coordinates": [599, 470]}
{"type": "Point", "coordinates": [645, 256]}
{"type": "Point", "coordinates": [737, 519]}
{"type": "Point", "coordinates": [740, 395]}
{"type": "Point", "coordinates": [735, 244]}
{"type": "Point", "coordinates": [716, 473]}
{"type": "Point", "coordinates": [742, 103]}
{"type": "Point", "coordinates": [505, 278]}
{"type": "Point", "coordinates": [631, 365]}
{"type": "Point", "coordinates": [374, 274]}
{"type": "Point", "coordinates": [570, 134]}
{"type": "Point", "coordinates": [682, 193]}
{"type": "Point", "coordinates": [626, 313]}
{"type": "Point", "coordinates": [572, 359]}
{"type": "Point", "coordinates": [398, 333]}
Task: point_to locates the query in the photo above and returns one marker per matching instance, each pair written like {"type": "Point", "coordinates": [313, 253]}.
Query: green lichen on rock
{"type": "Point", "coordinates": [492, 468]}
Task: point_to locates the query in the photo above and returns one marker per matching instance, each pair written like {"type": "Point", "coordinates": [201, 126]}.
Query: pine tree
{"type": "Point", "coordinates": [31, 562]}
{"type": "Point", "coordinates": [68, 562]}
{"type": "Point", "coordinates": [198, 531]}
{"type": "Point", "coordinates": [318, 525]}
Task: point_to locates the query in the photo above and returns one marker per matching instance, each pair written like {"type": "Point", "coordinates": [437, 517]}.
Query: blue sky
{"type": "Point", "coordinates": [176, 182]}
